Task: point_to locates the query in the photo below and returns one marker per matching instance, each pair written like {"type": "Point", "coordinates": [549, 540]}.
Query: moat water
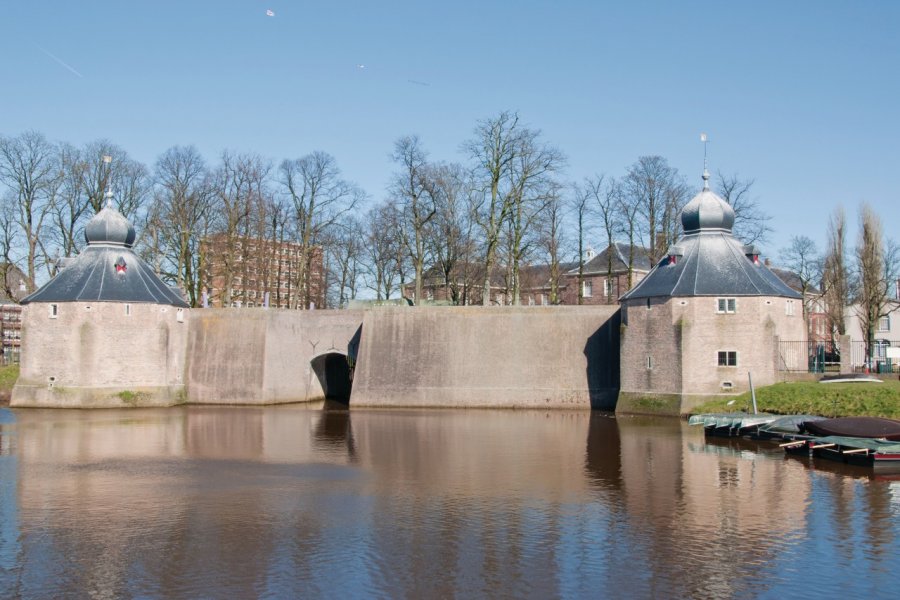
{"type": "Point", "coordinates": [306, 502]}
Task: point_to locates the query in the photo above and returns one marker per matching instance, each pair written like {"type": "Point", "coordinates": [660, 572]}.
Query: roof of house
{"type": "Point", "coordinates": [708, 260]}
{"type": "Point", "coordinates": [793, 280]}
{"type": "Point", "coordinates": [618, 251]}
{"type": "Point", "coordinates": [107, 270]}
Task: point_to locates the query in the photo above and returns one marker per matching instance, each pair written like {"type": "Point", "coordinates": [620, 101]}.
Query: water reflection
{"type": "Point", "coordinates": [323, 501]}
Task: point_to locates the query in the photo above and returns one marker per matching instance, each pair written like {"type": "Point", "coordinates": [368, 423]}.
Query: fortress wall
{"type": "Point", "coordinates": [101, 354]}
{"type": "Point", "coordinates": [526, 357]}
{"type": "Point", "coordinates": [256, 356]}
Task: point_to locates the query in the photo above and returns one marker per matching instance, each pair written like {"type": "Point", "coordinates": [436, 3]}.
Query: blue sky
{"type": "Point", "coordinates": [801, 95]}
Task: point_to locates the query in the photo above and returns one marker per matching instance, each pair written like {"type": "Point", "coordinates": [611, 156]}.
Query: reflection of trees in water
{"type": "Point", "coordinates": [334, 431]}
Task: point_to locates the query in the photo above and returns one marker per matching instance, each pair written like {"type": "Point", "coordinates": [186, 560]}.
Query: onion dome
{"type": "Point", "coordinates": [707, 211]}
{"type": "Point", "coordinates": [109, 226]}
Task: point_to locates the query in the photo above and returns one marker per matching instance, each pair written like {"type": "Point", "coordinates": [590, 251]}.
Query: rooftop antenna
{"type": "Point", "coordinates": [107, 159]}
{"type": "Point", "coordinates": [705, 139]}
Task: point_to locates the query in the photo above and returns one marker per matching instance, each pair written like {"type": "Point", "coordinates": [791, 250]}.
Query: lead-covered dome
{"type": "Point", "coordinates": [707, 211]}
{"type": "Point", "coordinates": [109, 226]}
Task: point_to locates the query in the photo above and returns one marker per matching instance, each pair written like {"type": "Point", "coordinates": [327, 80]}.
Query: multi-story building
{"type": "Point", "coordinates": [262, 273]}
{"type": "Point", "coordinates": [11, 312]}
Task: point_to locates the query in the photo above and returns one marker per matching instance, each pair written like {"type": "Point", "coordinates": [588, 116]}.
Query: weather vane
{"type": "Point", "coordinates": [705, 139]}
{"type": "Point", "coordinates": [107, 159]}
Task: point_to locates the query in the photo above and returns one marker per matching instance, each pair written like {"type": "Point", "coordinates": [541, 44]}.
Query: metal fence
{"type": "Point", "coordinates": [809, 357]}
{"type": "Point", "coordinates": [10, 356]}
{"type": "Point", "coordinates": [825, 357]}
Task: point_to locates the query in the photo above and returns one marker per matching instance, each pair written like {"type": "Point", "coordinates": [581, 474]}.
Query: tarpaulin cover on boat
{"type": "Point", "coordinates": [862, 427]}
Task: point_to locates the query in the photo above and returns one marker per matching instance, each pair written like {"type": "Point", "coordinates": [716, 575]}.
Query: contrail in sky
{"type": "Point", "coordinates": [59, 60]}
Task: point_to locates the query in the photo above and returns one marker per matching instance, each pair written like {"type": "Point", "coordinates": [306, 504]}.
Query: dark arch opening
{"type": "Point", "coordinates": [334, 374]}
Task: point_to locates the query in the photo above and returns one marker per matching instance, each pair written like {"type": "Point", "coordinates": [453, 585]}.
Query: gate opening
{"type": "Point", "coordinates": [334, 375]}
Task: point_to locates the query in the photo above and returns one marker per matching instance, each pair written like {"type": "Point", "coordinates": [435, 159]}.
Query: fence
{"type": "Point", "coordinates": [825, 357]}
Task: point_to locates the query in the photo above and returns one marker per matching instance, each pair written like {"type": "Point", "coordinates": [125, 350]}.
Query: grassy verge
{"type": "Point", "coordinates": [8, 376]}
{"type": "Point", "coordinates": [828, 399]}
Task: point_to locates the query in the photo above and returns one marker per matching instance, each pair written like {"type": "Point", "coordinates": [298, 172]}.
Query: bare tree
{"type": "Point", "coordinates": [582, 196]}
{"type": "Point", "coordinates": [414, 188]}
{"type": "Point", "coordinates": [629, 211]}
{"type": "Point", "coordinates": [180, 217]}
{"type": "Point", "coordinates": [383, 248]}
{"type": "Point", "coordinates": [346, 254]}
{"type": "Point", "coordinates": [876, 272]}
{"type": "Point", "coordinates": [72, 206]}
{"type": "Point", "coordinates": [492, 150]}
{"type": "Point", "coordinates": [107, 167]}
{"type": "Point", "coordinates": [835, 277]}
{"type": "Point", "coordinates": [450, 232]}
{"type": "Point", "coordinates": [531, 187]}
{"type": "Point", "coordinates": [552, 235]}
{"type": "Point", "coordinates": [235, 185]}
{"type": "Point", "coordinates": [803, 259]}
{"type": "Point", "coordinates": [658, 193]}
{"type": "Point", "coordinates": [320, 198]}
{"type": "Point", "coordinates": [29, 168]}
{"type": "Point", "coordinates": [751, 223]}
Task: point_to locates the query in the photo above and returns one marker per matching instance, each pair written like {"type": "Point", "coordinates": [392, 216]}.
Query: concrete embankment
{"type": "Point", "coordinates": [516, 357]}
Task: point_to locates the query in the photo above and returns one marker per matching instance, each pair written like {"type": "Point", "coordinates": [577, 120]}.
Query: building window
{"type": "Point", "coordinates": [789, 308]}
{"type": "Point", "coordinates": [649, 362]}
{"type": "Point", "coordinates": [542, 300]}
{"type": "Point", "coordinates": [607, 287]}
{"type": "Point", "coordinates": [727, 358]}
{"type": "Point", "coordinates": [127, 310]}
{"type": "Point", "coordinates": [54, 311]}
{"type": "Point", "coordinates": [726, 305]}
{"type": "Point", "coordinates": [179, 315]}
{"type": "Point", "coordinates": [587, 289]}
{"type": "Point", "coordinates": [884, 324]}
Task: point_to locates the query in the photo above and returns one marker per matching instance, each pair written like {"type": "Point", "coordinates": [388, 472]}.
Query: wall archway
{"type": "Point", "coordinates": [334, 374]}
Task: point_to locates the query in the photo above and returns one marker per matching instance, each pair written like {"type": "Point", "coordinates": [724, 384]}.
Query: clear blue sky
{"type": "Point", "coordinates": [800, 95]}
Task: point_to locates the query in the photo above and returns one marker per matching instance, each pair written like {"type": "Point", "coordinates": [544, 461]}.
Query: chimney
{"type": "Point", "coordinates": [768, 262]}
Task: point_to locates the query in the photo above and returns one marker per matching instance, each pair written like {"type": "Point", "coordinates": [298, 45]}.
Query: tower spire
{"type": "Point", "coordinates": [704, 138]}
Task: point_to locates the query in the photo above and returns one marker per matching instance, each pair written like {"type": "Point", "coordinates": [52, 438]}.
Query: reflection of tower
{"type": "Point", "coordinates": [9, 505]}
{"type": "Point", "coordinates": [603, 460]}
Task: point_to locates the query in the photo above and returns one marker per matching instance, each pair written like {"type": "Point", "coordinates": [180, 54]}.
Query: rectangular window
{"type": "Point", "coordinates": [607, 287]}
{"type": "Point", "coordinates": [727, 358]}
{"type": "Point", "coordinates": [649, 362]}
{"type": "Point", "coordinates": [726, 305]}
{"type": "Point", "coordinates": [789, 308]}
{"type": "Point", "coordinates": [54, 311]}
{"type": "Point", "coordinates": [587, 289]}
{"type": "Point", "coordinates": [127, 310]}
{"type": "Point", "coordinates": [884, 324]}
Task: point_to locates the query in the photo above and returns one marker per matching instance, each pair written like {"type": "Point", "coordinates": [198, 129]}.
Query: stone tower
{"type": "Point", "coordinates": [106, 331]}
{"type": "Point", "coordinates": [706, 315]}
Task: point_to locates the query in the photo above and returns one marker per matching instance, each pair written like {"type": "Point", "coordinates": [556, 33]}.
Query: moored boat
{"type": "Point", "coordinates": [853, 427]}
{"type": "Point", "coordinates": [851, 450]}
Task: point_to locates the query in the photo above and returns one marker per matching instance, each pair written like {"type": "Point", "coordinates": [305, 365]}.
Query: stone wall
{"type": "Point", "coordinates": [101, 354]}
{"type": "Point", "coordinates": [524, 357]}
{"type": "Point", "coordinates": [256, 356]}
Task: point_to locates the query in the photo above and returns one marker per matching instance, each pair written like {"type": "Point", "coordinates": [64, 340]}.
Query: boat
{"type": "Point", "coordinates": [853, 427]}
{"type": "Point", "coordinates": [851, 450]}
{"type": "Point", "coordinates": [784, 428]}
{"type": "Point", "coordinates": [731, 424]}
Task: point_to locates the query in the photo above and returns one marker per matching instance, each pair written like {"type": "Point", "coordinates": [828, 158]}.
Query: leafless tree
{"type": "Point", "coordinates": [552, 236]}
{"type": "Point", "coordinates": [181, 216]}
{"type": "Point", "coordinates": [382, 249]}
{"type": "Point", "coordinates": [629, 214]}
{"type": "Point", "coordinates": [876, 272]}
{"type": "Point", "coordinates": [492, 151]}
{"type": "Point", "coordinates": [582, 208]}
{"type": "Point", "coordinates": [531, 188]}
{"type": "Point", "coordinates": [30, 171]}
{"type": "Point", "coordinates": [751, 223]}
{"type": "Point", "coordinates": [345, 260]}
{"type": "Point", "coordinates": [658, 193]}
{"type": "Point", "coordinates": [803, 259]}
{"type": "Point", "coordinates": [236, 184]}
{"type": "Point", "coordinates": [413, 188]}
{"type": "Point", "coordinates": [450, 232]}
{"type": "Point", "coordinates": [320, 198]}
{"type": "Point", "coordinates": [72, 206]}
{"type": "Point", "coordinates": [835, 277]}
{"type": "Point", "coordinates": [107, 167]}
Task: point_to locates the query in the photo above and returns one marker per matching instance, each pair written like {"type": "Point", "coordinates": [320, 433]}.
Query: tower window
{"type": "Point", "coordinates": [727, 358]}
{"type": "Point", "coordinates": [54, 311]}
{"type": "Point", "coordinates": [726, 305]}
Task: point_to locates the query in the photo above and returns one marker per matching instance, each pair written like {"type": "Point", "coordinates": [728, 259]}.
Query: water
{"type": "Point", "coordinates": [298, 501]}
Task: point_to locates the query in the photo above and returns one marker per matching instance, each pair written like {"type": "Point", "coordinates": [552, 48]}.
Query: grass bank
{"type": "Point", "coordinates": [812, 398]}
{"type": "Point", "coordinates": [8, 376]}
